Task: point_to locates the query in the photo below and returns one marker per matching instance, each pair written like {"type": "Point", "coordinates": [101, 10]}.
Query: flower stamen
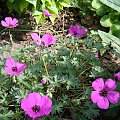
{"type": "Point", "coordinates": [14, 69]}
{"type": "Point", "coordinates": [36, 108]}
{"type": "Point", "coordinates": [103, 93]}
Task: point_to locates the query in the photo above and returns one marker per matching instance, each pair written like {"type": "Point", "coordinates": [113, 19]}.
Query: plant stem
{"type": "Point", "coordinates": [10, 35]}
{"type": "Point", "coordinates": [14, 80]}
{"type": "Point", "coordinates": [45, 66]}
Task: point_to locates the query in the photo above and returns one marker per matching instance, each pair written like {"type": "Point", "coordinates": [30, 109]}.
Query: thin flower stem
{"type": "Point", "coordinates": [10, 35]}
{"type": "Point", "coordinates": [14, 80]}
{"type": "Point", "coordinates": [45, 66]}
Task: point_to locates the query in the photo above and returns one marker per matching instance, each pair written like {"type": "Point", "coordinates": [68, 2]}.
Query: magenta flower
{"type": "Point", "coordinates": [46, 13]}
{"type": "Point", "coordinates": [14, 68]}
{"type": "Point", "coordinates": [117, 76]}
{"type": "Point", "coordinates": [97, 56]}
{"type": "Point", "coordinates": [10, 22]}
{"type": "Point", "coordinates": [43, 81]}
{"type": "Point", "coordinates": [48, 39]}
{"type": "Point", "coordinates": [37, 39]}
{"type": "Point", "coordinates": [76, 31]}
{"type": "Point", "coordinates": [104, 93]}
{"type": "Point", "coordinates": [36, 106]}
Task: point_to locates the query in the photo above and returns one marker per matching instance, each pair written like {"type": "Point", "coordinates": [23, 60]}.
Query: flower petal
{"type": "Point", "coordinates": [95, 96]}
{"type": "Point", "coordinates": [110, 85]}
{"type": "Point", "coordinates": [14, 21]}
{"type": "Point", "coordinates": [103, 103]}
{"type": "Point", "coordinates": [26, 104]}
{"type": "Point", "coordinates": [82, 32]}
{"type": "Point", "coordinates": [46, 13]}
{"type": "Point", "coordinates": [36, 38]}
{"type": "Point", "coordinates": [45, 105]}
{"type": "Point", "coordinates": [98, 84]}
{"type": "Point", "coordinates": [48, 39]}
{"type": "Point", "coordinates": [20, 67]}
{"type": "Point", "coordinates": [8, 20]}
{"type": "Point", "coordinates": [45, 111]}
{"type": "Point", "coordinates": [45, 102]}
{"type": "Point", "coordinates": [8, 66]}
{"type": "Point", "coordinates": [113, 96]}
{"type": "Point", "coordinates": [35, 98]}
{"type": "Point", "coordinates": [4, 24]}
{"type": "Point", "coordinates": [117, 76]}
{"type": "Point", "coordinates": [74, 29]}
{"type": "Point", "coordinates": [9, 62]}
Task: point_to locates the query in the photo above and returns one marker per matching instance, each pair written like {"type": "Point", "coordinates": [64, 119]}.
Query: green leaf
{"type": "Point", "coordinates": [96, 4]}
{"type": "Point", "coordinates": [16, 6]}
{"type": "Point", "coordinates": [65, 3]}
{"type": "Point", "coordinates": [108, 39]}
{"type": "Point", "coordinates": [34, 2]}
{"type": "Point", "coordinates": [10, 6]}
{"type": "Point", "coordinates": [52, 18]}
{"type": "Point", "coordinates": [115, 29]}
{"type": "Point", "coordinates": [23, 5]}
{"type": "Point", "coordinates": [43, 1]}
{"type": "Point", "coordinates": [39, 17]}
{"type": "Point", "coordinates": [2, 117]}
{"type": "Point", "coordinates": [105, 21]}
{"type": "Point", "coordinates": [114, 4]}
{"type": "Point", "coordinates": [11, 1]}
{"type": "Point", "coordinates": [53, 10]}
{"type": "Point", "coordinates": [101, 11]}
{"type": "Point", "coordinates": [114, 16]}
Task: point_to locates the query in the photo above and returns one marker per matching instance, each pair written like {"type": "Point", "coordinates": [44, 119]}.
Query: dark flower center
{"type": "Point", "coordinates": [36, 108]}
{"type": "Point", "coordinates": [103, 93]}
{"type": "Point", "coordinates": [76, 32]}
{"type": "Point", "coordinates": [14, 69]}
{"type": "Point", "coordinates": [10, 25]}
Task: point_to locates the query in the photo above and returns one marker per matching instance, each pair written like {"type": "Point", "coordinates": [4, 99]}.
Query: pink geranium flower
{"type": "Point", "coordinates": [14, 68]}
{"type": "Point", "coordinates": [76, 31]}
{"type": "Point", "coordinates": [10, 22]}
{"type": "Point", "coordinates": [36, 106]}
{"type": "Point", "coordinates": [48, 39]}
{"type": "Point", "coordinates": [46, 13]}
{"type": "Point", "coordinates": [117, 76]}
{"type": "Point", "coordinates": [37, 39]}
{"type": "Point", "coordinates": [43, 81]}
{"type": "Point", "coordinates": [104, 93]}
{"type": "Point", "coordinates": [97, 55]}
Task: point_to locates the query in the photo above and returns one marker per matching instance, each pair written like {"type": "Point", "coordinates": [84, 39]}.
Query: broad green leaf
{"type": "Point", "coordinates": [105, 21]}
{"type": "Point", "coordinates": [43, 1]}
{"type": "Point", "coordinates": [52, 18]}
{"type": "Point", "coordinates": [23, 5]}
{"type": "Point", "coordinates": [36, 12]}
{"type": "Point", "coordinates": [114, 4]}
{"type": "Point", "coordinates": [11, 1]}
{"type": "Point", "coordinates": [10, 6]}
{"type": "Point", "coordinates": [65, 3]}
{"type": "Point", "coordinates": [39, 17]}
{"type": "Point", "coordinates": [2, 117]}
{"type": "Point", "coordinates": [101, 11]}
{"type": "Point", "coordinates": [110, 39]}
{"type": "Point", "coordinates": [16, 6]}
{"type": "Point", "coordinates": [53, 10]}
{"type": "Point", "coordinates": [96, 4]}
{"type": "Point", "coordinates": [34, 2]}
{"type": "Point", "coordinates": [115, 29]}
